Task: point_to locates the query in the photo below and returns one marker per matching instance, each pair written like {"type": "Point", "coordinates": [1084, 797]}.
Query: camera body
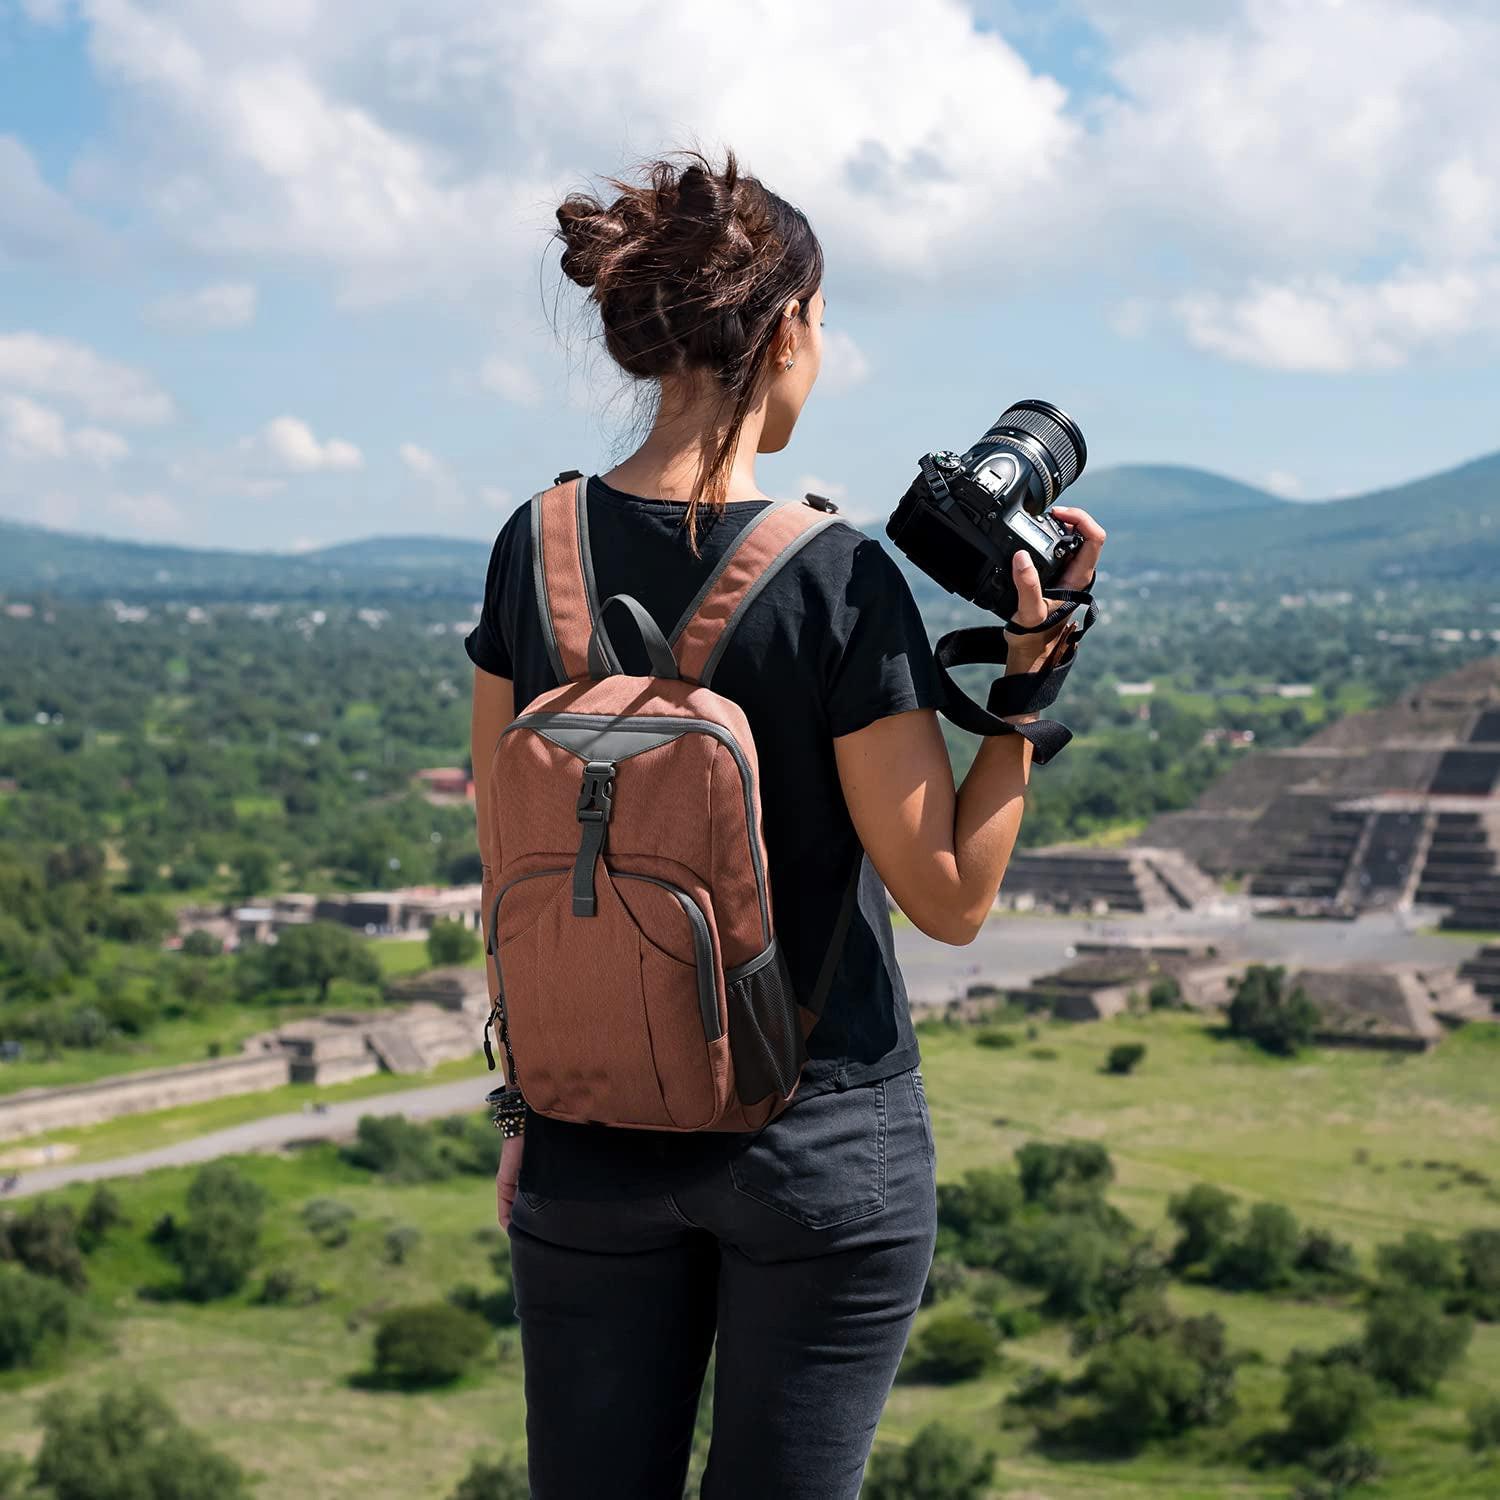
{"type": "Point", "coordinates": [966, 515]}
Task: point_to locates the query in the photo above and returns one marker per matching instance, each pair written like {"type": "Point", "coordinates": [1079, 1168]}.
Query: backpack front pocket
{"type": "Point", "coordinates": [610, 1020]}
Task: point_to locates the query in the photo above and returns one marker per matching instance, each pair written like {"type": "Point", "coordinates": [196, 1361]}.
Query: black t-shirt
{"type": "Point", "coordinates": [834, 642]}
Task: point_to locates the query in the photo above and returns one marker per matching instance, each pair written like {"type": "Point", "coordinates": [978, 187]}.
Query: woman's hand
{"type": "Point", "coordinates": [1024, 652]}
{"type": "Point", "coordinates": [508, 1175]}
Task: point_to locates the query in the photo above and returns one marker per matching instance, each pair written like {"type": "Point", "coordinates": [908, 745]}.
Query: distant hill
{"type": "Point", "coordinates": [1182, 522]}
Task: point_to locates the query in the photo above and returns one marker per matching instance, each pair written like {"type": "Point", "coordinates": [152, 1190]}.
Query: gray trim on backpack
{"type": "Point", "coordinates": [753, 592]}
{"type": "Point", "coordinates": [539, 583]}
{"type": "Point", "coordinates": [718, 569]}
{"type": "Point", "coordinates": [616, 744]}
{"type": "Point", "coordinates": [590, 588]}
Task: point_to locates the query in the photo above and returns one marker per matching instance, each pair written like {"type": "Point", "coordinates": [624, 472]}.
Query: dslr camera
{"type": "Point", "coordinates": [967, 515]}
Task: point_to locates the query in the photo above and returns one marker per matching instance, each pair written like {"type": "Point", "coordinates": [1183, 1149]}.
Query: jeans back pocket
{"type": "Point", "coordinates": [823, 1161]}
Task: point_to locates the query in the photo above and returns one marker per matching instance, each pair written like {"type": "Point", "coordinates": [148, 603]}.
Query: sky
{"type": "Point", "coordinates": [278, 273]}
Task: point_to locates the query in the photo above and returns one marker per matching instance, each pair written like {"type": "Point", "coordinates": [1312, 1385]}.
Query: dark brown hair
{"type": "Point", "coordinates": [691, 269]}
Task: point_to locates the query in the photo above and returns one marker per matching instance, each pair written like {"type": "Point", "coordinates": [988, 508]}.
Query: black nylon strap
{"type": "Point", "coordinates": [1023, 692]}
{"type": "Point", "coordinates": [589, 849]}
{"type": "Point", "coordinates": [663, 662]}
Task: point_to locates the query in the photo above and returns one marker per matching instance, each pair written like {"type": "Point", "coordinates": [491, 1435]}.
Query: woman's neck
{"type": "Point", "coordinates": [681, 445]}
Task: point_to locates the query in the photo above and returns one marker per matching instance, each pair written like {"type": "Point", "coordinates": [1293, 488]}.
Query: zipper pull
{"type": "Point", "coordinates": [489, 1051]}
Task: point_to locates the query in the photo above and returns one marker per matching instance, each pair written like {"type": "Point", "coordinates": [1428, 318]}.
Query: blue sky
{"type": "Point", "coordinates": [275, 273]}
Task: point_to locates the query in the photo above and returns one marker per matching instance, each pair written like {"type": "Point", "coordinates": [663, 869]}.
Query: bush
{"type": "Point", "coordinates": [1410, 1345]}
{"type": "Point", "coordinates": [945, 1278]}
{"type": "Point", "coordinates": [45, 1241]}
{"type": "Point", "coordinates": [400, 1242]}
{"type": "Point", "coordinates": [398, 1149]}
{"type": "Point", "coordinates": [1325, 1403]}
{"type": "Point", "coordinates": [1264, 1256]}
{"type": "Point", "coordinates": [328, 1221]}
{"type": "Point", "coordinates": [216, 1246]}
{"type": "Point", "coordinates": [1205, 1215]}
{"type": "Point", "coordinates": [1421, 1261]}
{"type": "Point", "coordinates": [128, 1445]}
{"type": "Point", "coordinates": [497, 1307]}
{"type": "Point", "coordinates": [284, 1288]}
{"type": "Point", "coordinates": [1479, 1250]}
{"type": "Point", "coordinates": [451, 943]}
{"type": "Point", "coordinates": [497, 1479]}
{"type": "Point", "coordinates": [1264, 1013]}
{"type": "Point", "coordinates": [37, 1317]}
{"type": "Point", "coordinates": [1325, 1259]}
{"type": "Point", "coordinates": [1070, 1172]}
{"type": "Point", "coordinates": [200, 944]}
{"type": "Point", "coordinates": [995, 1036]}
{"type": "Point", "coordinates": [430, 1343]}
{"type": "Point", "coordinates": [1165, 993]}
{"type": "Point", "coordinates": [100, 1214]}
{"type": "Point", "coordinates": [954, 1346]}
{"type": "Point", "coordinates": [1125, 1057]}
{"type": "Point", "coordinates": [1484, 1425]}
{"type": "Point", "coordinates": [938, 1464]}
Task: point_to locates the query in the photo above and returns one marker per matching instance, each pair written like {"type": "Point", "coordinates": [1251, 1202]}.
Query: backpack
{"type": "Point", "coordinates": [631, 920]}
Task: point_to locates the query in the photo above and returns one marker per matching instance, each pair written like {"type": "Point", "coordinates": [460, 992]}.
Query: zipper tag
{"type": "Point", "coordinates": [489, 1051]}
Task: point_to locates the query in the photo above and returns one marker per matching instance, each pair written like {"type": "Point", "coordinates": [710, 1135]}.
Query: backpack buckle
{"type": "Point", "coordinates": [596, 798]}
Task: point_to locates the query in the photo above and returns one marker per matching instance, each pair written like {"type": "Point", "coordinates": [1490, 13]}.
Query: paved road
{"type": "Point", "coordinates": [1011, 950]}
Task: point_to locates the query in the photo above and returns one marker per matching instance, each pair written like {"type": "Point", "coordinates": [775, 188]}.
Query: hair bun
{"type": "Point", "coordinates": [589, 232]}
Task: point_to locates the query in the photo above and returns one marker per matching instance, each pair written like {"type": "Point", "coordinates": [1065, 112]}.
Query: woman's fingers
{"type": "Point", "coordinates": [507, 1176]}
{"type": "Point", "coordinates": [1031, 607]}
{"type": "Point", "coordinates": [1082, 565]}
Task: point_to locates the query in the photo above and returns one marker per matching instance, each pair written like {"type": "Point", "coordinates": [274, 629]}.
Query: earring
{"type": "Point", "coordinates": [788, 365]}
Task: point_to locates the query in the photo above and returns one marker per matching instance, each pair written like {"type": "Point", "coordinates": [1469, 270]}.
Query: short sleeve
{"type": "Point", "coordinates": [883, 662]}
{"type": "Point", "coordinates": [488, 644]}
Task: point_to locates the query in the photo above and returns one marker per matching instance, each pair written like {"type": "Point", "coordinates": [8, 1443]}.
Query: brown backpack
{"type": "Point", "coordinates": [631, 918]}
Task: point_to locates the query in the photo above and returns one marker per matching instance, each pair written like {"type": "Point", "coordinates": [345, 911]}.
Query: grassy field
{"type": "Point", "coordinates": [1365, 1144]}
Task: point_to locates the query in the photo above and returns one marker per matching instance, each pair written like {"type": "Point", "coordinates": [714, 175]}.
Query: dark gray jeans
{"type": "Point", "coordinates": [805, 1255]}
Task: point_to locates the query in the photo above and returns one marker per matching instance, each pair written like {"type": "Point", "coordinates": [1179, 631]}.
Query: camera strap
{"type": "Point", "coordinates": [1023, 693]}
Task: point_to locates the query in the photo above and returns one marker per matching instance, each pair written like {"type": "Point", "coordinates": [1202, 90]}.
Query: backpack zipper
{"type": "Point", "coordinates": [703, 950]}
{"type": "Point", "coordinates": [703, 726]}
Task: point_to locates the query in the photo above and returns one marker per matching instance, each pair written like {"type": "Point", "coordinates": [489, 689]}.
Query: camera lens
{"type": "Point", "coordinates": [1045, 434]}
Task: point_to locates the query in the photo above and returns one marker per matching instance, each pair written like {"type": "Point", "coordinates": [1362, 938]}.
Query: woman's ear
{"type": "Point", "coordinates": [784, 345]}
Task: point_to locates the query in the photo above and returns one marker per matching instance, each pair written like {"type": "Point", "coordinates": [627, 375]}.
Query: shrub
{"type": "Point", "coordinates": [945, 1278]}
{"type": "Point", "coordinates": [429, 1343]}
{"type": "Point", "coordinates": [451, 943]}
{"type": "Point", "coordinates": [1165, 993]}
{"type": "Point", "coordinates": [1265, 1254]}
{"type": "Point", "coordinates": [1264, 1013]}
{"type": "Point", "coordinates": [1074, 1169]}
{"type": "Point", "coordinates": [1125, 1057]}
{"type": "Point", "coordinates": [45, 1240]}
{"type": "Point", "coordinates": [1325, 1403]}
{"type": "Point", "coordinates": [200, 944]}
{"type": "Point", "coordinates": [494, 1479]}
{"type": "Point", "coordinates": [1410, 1345]}
{"type": "Point", "coordinates": [284, 1288]}
{"type": "Point", "coordinates": [1484, 1425]}
{"type": "Point", "coordinates": [1422, 1261]}
{"type": "Point", "coordinates": [100, 1214]}
{"type": "Point", "coordinates": [1045, 1054]}
{"type": "Point", "coordinates": [1205, 1215]}
{"type": "Point", "coordinates": [1326, 1259]}
{"type": "Point", "coordinates": [397, 1148]}
{"type": "Point", "coordinates": [995, 1036]}
{"type": "Point", "coordinates": [216, 1246]}
{"type": "Point", "coordinates": [938, 1464]}
{"type": "Point", "coordinates": [953, 1346]}
{"type": "Point", "coordinates": [1479, 1250]}
{"type": "Point", "coordinates": [328, 1221]}
{"type": "Point", "coordinates": [37, 1316]}
{"type": "Point", "coordinates": [400, 1242]}
{"type": "Point", "coordinates": [496, 1307]}
{"type": "Point", "coordinates": [128, 1445]}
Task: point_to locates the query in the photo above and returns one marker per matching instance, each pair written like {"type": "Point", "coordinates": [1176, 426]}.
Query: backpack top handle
{"type": "Point", "coordinates": [604, 661]}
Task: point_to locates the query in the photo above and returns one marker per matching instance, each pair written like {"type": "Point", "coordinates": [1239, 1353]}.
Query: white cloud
{"type": "Point", "coordinates": [496, 497]}
{"type": "Point", "coordinates": [845, 365]}
{"type": "Point", "coordinates": [29, 430]}
{"type": "Point", "coordinates": [422, 463]}
{"type": "Point", "coordinates": [1328, 325]}
{"type": "Point", "coordinates": [289, 444]}
{"type": "Point", "coordinates": [151, 513]}
{"type": "Point", "coordinates": [36, 221]}
{"type": "Point", "coordinates": [68, 371]}
{"type": "Point", "coordinates": [226, 305]}
{"type": "Point", "coordinates": [511, 380]}
{"type": "Point", "coordinates": [1279, 482]}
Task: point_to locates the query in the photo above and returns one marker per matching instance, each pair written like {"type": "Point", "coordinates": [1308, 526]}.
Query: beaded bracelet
{"type": "Point", "coordinates": [507, 1111]}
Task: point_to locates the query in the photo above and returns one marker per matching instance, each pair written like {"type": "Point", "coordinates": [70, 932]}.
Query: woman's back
{"type": "Point", "coordinates": [833, 642]}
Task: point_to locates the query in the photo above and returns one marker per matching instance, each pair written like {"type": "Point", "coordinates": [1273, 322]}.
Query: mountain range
{"type": "Point", "coordinates": [1162, 520]}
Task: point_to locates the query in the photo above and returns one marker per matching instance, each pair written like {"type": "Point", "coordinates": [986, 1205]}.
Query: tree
{"type": "Point", "coordinates": [1263, 1012]}
{"type": "Point", "coordinates": [45, 1240]}
{"type": "Point", "coordinates": [1479, 1250]}
{"type": "Point", "coordinates": [1484, 1425]}
{"type": "Point", "coordinates": [938, 1464]}
{"type": "Point", "coordinates": [1206, 1216]}
{"type": "Point", "coordinates": [1264, 1256]}
{"type": "Point", "coordinates": [1075, 1170]}
{"type": "Point", "coordinates": [451, 943]}
{"type": "Point", "coordinates": [399, 1149]}
{"type": "Point", "coordinates": [1144, 1388]}
{"type": "Point", "coordinates": [36, 1317]}
{"type": "Point", "coordinates": [100, 1214]}
{"type": "Point", "coordinates": [429, 1343]}
{"type": "Point", "coordinates": [306, 959]}
{"type": "Point", "coordinates": [1410, 1345]}
{"type": "Point", "coordinates": [1125, 1057]}
{"type": "Point", "coordinates": [328, 1221]}
{"type": "Point", "coordinates": [1324, 1402]}
{"type": "Point", "coordinates": [128, 1445]}
{"type": "Point", "coordinates": [1422, 1261]}
{"type": "Point", "coordinates": [218, 1242]}
{"type": "Point", "coordinates": [954, 1346]}
{"type": "Point", "coordinates": [494, 1479]}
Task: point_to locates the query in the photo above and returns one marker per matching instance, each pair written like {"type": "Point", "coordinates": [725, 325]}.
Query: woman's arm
{"type": "Point", "coordinates": [942, 851]}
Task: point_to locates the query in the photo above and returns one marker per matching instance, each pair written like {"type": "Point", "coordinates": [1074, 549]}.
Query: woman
{"type": "Point", "coordinates": [802, 1249]}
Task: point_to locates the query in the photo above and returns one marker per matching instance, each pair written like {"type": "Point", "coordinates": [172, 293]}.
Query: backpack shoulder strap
{"type": "Point", "coordinates": [563, 573]}
{"type": "Point", "coordinates": [760, 551]}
